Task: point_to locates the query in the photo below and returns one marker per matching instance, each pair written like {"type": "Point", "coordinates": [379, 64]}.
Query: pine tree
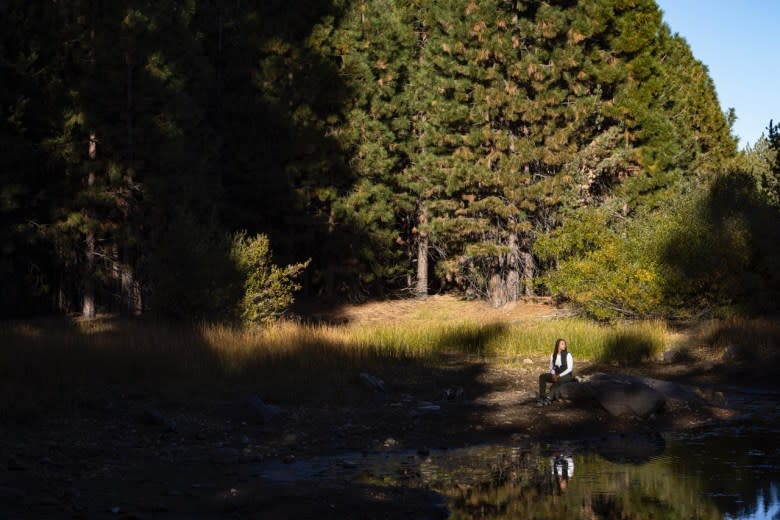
{"type": "Point", "coordinates": [401, 144]}
{"type": "Point", "coordinates": [509, 114]}
{"type": "Point", "coordinates": [26, 267]}
{"type": "Point", "coordinates": [377, 46]}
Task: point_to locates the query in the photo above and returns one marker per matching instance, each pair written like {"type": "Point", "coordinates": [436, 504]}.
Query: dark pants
{"type": "Point", "coordinates": [548, 378]}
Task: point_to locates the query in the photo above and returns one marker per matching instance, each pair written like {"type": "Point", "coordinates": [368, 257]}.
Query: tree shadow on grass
{"type": "Point", "coordinates": [53, 363]}
{"type": "Point", "coordinates": [469, 339]}
{"type": "Point", "coordinates": [626, 348]}
{"type": "Point", "coordinates": [56, 366]}
{"type": "Point", "coordinates": [318, 369]}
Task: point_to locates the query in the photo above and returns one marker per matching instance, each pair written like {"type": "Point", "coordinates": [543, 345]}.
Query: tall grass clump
{"type": "Point", "coordinates": [587, 340]}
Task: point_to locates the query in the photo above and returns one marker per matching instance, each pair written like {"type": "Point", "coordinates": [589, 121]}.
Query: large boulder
{"type": "Point", "coordinates": [622, 394]}
{"type": "Point", "coordinates": [618, 394]}
{"type": "Point", "coordinates": [669, 389]}
{"type": "Point", "coordinates": [576, 392]}
{"type": "Point", "coordinates": [626, 396]}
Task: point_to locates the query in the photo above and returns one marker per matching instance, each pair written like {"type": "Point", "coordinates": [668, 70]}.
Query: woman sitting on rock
{"type": "Point", "coordinates": [561, 366]}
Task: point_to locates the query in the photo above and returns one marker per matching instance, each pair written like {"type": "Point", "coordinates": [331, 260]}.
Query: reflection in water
{"type": "Point", "coordinates": [730, 473]}
{"type": "Point", "coordinates": [765, 507]}
{"type": "Point", "coordinates": [562, 469]}
{"type": "Point", "coordinates": [598, 489]}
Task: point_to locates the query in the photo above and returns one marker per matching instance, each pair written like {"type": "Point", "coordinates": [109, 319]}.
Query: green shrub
{"type": "Point", "coordinates": [621, 278]}
{"type": "Point", "coordinates": [708, 250]}
{"type": "Point", "coordinates": [267, 288]}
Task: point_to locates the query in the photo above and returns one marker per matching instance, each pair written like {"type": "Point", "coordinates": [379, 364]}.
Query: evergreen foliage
{"type": "Point", "coordinates": [769, 165]}
{"type": "Point", "coordinates": [191, 273]}
{"type": "Point", "coordinates": [267, 288]}
{"type": "Point", "coordinates": [496, 148]}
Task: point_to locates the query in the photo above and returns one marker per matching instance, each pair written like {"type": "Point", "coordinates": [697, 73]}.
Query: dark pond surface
{"type": "Point", "coordinates": [730, 472]}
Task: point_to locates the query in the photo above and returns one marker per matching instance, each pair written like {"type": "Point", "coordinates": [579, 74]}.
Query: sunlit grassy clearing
{"type": "Point", "coordinates": [122, 350]}
{"type": "Point", "coordinates": [58, 361]}
{"type": "Point", "coordinates": [589, 340]}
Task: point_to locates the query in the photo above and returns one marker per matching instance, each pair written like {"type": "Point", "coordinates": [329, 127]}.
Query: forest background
{"type": "Point", "coordinates": [203, 159]}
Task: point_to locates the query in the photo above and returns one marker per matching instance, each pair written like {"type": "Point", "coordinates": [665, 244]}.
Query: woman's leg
{"type": "Point", "coordinates": [543, 380]}
{"type": "Point", "coordinates": [557, 385]}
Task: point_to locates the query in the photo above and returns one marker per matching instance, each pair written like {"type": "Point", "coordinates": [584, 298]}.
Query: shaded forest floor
{"type": "Point", "coordinates": [131, 452]}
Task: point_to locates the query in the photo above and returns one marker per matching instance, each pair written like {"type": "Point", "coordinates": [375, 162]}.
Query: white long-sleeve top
{"type": "Point", "coordinates": [569, 363]}
{"type": "Point", "coordinates": [562, 466]}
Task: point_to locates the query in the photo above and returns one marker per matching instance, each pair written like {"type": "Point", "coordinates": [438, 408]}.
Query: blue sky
{"type": "Point", "coordinates": [739, 41]}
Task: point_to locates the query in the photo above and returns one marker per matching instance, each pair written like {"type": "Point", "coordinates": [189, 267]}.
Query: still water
{"type": "Point", "coordinates": [727, 473]}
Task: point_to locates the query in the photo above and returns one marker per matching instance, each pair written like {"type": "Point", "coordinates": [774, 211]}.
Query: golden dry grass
{"type": "Point", "coordinates": [441, 308]}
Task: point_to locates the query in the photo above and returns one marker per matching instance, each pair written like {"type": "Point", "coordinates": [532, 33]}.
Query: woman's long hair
{"type": "Point", "coordinates": [556, 348]}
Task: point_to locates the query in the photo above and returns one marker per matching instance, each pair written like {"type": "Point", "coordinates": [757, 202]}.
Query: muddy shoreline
{"type": "Point", "coordinates": [132, 454]}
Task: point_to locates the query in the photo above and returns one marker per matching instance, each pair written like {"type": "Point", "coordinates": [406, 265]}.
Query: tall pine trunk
{"type": "Point", "coordinates": [421, 288]}
{"type": "Point", "coordinates": [88, 303]}
{"type": "Point", "coordinates": [132, 303]}
{"type": "Point", "coordinates": [330, 267]}
{"type": "Point", "coordinates": [497, 290]}
{"type": "Point", "coordinates": [88, 307]}
{"type": "Point", "coordinates": [528, 265]}
{"type": "Point", "coordinates": [513, 276]}
{"type": "Point", "coordinates": [130, 289]}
